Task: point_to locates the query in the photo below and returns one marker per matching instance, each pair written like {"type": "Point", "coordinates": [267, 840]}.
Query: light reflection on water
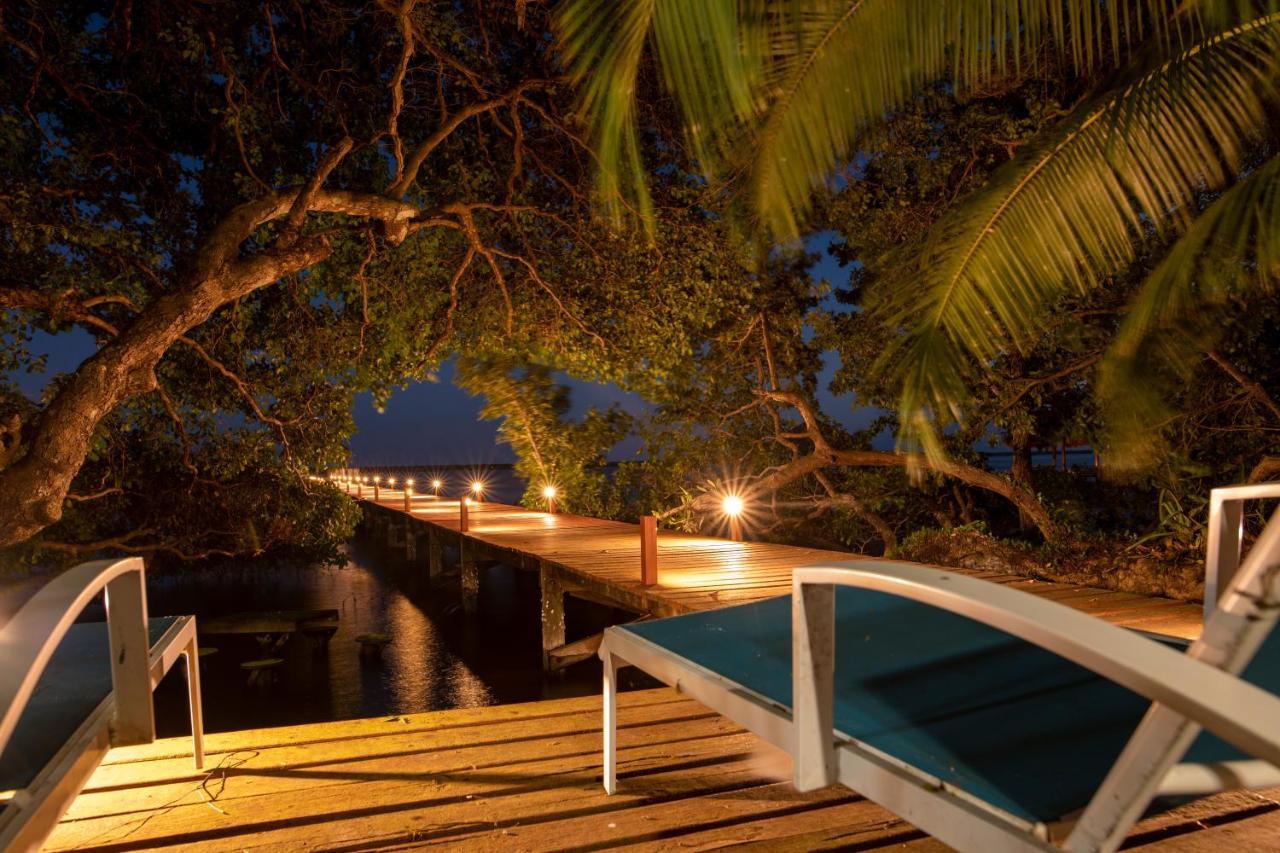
{"type": "Point", "coordinates": [439, 657]}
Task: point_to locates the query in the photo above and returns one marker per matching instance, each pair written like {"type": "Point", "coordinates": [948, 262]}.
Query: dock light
{"type": "Point", "coordinates": [391, 482]}
{"type": "Point", "coordinates": [377, 481]}
{"type": "Point", "coordinates": [549, 492]}
{"type": "Point", "coordinates": [436, 484]}
{"type": "Point", "coordinates": [477, 489]}
{"type": "Point", "coordinates": [733, 506]}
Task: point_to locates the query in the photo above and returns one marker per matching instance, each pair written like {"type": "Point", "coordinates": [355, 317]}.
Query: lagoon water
{"type": "Point", "coordinates": [438, 658]}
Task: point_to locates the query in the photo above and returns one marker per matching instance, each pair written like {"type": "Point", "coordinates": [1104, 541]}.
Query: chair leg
{"type": "Point", "coordinates": [610, 723]}
{"type": "Point", "coordinates": [192, 656]}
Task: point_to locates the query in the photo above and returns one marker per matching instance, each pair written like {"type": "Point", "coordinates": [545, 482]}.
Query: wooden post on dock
{"type": "Point", "coordinates": [376, 481]}
{"type": "Point", "coordinates": [435, 553]}
{"type": "Point", "coordinates": [408, 495]}
{"type": "Point", "coordinates": [470, 577]}
{"type": "Point", "coordinates": [462, 515]}
{"type": "Point", "coordinates": [552, 612]}
{"type": "Point", "coordinates": [648, 550]}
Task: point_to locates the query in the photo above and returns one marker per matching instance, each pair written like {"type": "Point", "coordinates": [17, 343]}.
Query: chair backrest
{"type": "Point", "coordinates": [1239, 623]}
{"type": "Point", "coordinates": [1226, 537]}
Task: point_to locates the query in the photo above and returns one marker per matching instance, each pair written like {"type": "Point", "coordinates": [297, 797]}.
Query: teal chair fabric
{"type": "Point", "coordinates": [76, 680]}
{"type": "Point", "coordinates": [1008, 722]}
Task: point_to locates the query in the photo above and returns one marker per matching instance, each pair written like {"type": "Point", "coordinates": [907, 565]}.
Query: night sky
{"type": "Point", "coordinates": [435, 423]}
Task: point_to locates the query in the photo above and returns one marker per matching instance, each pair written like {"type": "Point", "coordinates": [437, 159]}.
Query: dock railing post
{"type": "Point", "coordinates": [408, 495]}
{"type": "Point", "coordinates": [648, 550]}
{"type": "Point", "coordinates": [376, 495]}
{"type": "Point", "coordinates": [462, 515]}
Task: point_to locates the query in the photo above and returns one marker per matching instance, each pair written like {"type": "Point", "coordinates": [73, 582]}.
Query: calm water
{"type": "Point", "coordinates": [438, 658]}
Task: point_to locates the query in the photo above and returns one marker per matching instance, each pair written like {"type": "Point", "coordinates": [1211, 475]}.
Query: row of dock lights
{"type": "Point", "coordinates": [475, 492]}
{"type": "Point", "coordinates": [732, 506]}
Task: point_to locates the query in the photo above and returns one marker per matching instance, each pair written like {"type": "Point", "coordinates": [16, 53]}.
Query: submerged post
{"type": "Point", "coordinates": [648, 550]}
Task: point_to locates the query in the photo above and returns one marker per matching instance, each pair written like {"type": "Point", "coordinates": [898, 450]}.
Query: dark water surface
{"type": "Point", "coordinates": [438, 658]}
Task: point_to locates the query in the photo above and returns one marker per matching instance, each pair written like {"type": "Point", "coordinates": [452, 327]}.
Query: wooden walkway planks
{"type": "Point", "coordinates": [523, 777]}
{"type": "Point", "coordinates": [602, 558]}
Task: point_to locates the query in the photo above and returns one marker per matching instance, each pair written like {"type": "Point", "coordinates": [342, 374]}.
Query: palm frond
{"type": "Point", "coordinates": [1072, 211]}
{"type": "Point", "coordinates": [705, 57]}
{"type": "Point", "coordinates": [781, 90]}
{"type": "Point", "coordinates": [853, 62]}
{"type": "Point", "coordinates": [603, 44]}
{"type": "Point", "coordinates": [1231, 250]}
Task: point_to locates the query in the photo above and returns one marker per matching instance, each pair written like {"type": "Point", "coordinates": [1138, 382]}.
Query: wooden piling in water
{"type": "Point", "coordinates": [410, 540]}
{"type": "Point", "coordinates": [552, 611]}
{"type": "Point", "coordinates": [470, 576]}
{"type": "Point", "coordinates": [435, 553]}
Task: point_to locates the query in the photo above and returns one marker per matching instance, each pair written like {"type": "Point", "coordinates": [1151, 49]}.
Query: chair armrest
{"type": "Point", "coordinates": [1238, 712]}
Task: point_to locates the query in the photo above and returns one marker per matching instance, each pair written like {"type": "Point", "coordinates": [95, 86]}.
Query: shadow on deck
{"type": "Point", "coordinates": [525, 777]}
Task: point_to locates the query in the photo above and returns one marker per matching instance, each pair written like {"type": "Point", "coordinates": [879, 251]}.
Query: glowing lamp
{"type": "Point", "coordinates": [549, 492]}
{"type": "Point", "coordinates": [732, 506]}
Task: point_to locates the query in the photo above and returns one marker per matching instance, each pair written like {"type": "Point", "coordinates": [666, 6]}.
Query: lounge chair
{"type": "Point", "coordinates": [988, 717]}
{"type": "Point", "coordinates": [69, 691]}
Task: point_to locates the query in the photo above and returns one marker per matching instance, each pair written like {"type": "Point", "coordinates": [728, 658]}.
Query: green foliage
{"type": "Point", "coordinates": [552, 450]}
{"type": "Point", "coordinates": [160, 120]}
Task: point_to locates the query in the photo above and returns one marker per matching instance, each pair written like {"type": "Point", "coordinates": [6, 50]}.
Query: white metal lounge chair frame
{"type": "Point", "coordinates": [126, 716]}
{"type": "Point", "coordinates": [1189, 691]}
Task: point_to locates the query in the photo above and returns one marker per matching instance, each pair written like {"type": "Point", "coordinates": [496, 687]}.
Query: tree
{"type": "Point", "coordinates": [255, 210]}
{"type": "Point", "coordinates": [1171, 143]}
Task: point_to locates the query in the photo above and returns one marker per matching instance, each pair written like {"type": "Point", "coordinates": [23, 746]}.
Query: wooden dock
{"type": "Point", "coordinates": [600, 561]}
{"type": "Point", "coordinates": [526, 777]}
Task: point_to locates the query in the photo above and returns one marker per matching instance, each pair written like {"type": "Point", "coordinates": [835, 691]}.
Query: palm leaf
{"type": "Point", "coordinates": [780, 91]}
{"type": "Point", "coordinates": [1074, 210]}
{"type": "Point", "coordinates": [1230, 250]}
{"type": "Point", "coordinates": [705, 56]}
{"type": "Point", "coordinates": [853, 62]}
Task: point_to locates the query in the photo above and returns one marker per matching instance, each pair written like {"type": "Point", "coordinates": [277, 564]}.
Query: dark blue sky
{"type": "Point", "coordinates": [437, 422]}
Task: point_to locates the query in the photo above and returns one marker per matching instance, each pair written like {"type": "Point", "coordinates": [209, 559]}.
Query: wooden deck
{"type": "Point", "coordinates": [600, 560]}
{"type": "Point", "coordinates": [525, 777]}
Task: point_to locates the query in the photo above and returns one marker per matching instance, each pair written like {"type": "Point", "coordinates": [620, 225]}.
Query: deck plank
{"type": "Point", "coordinates": [523, 777]}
